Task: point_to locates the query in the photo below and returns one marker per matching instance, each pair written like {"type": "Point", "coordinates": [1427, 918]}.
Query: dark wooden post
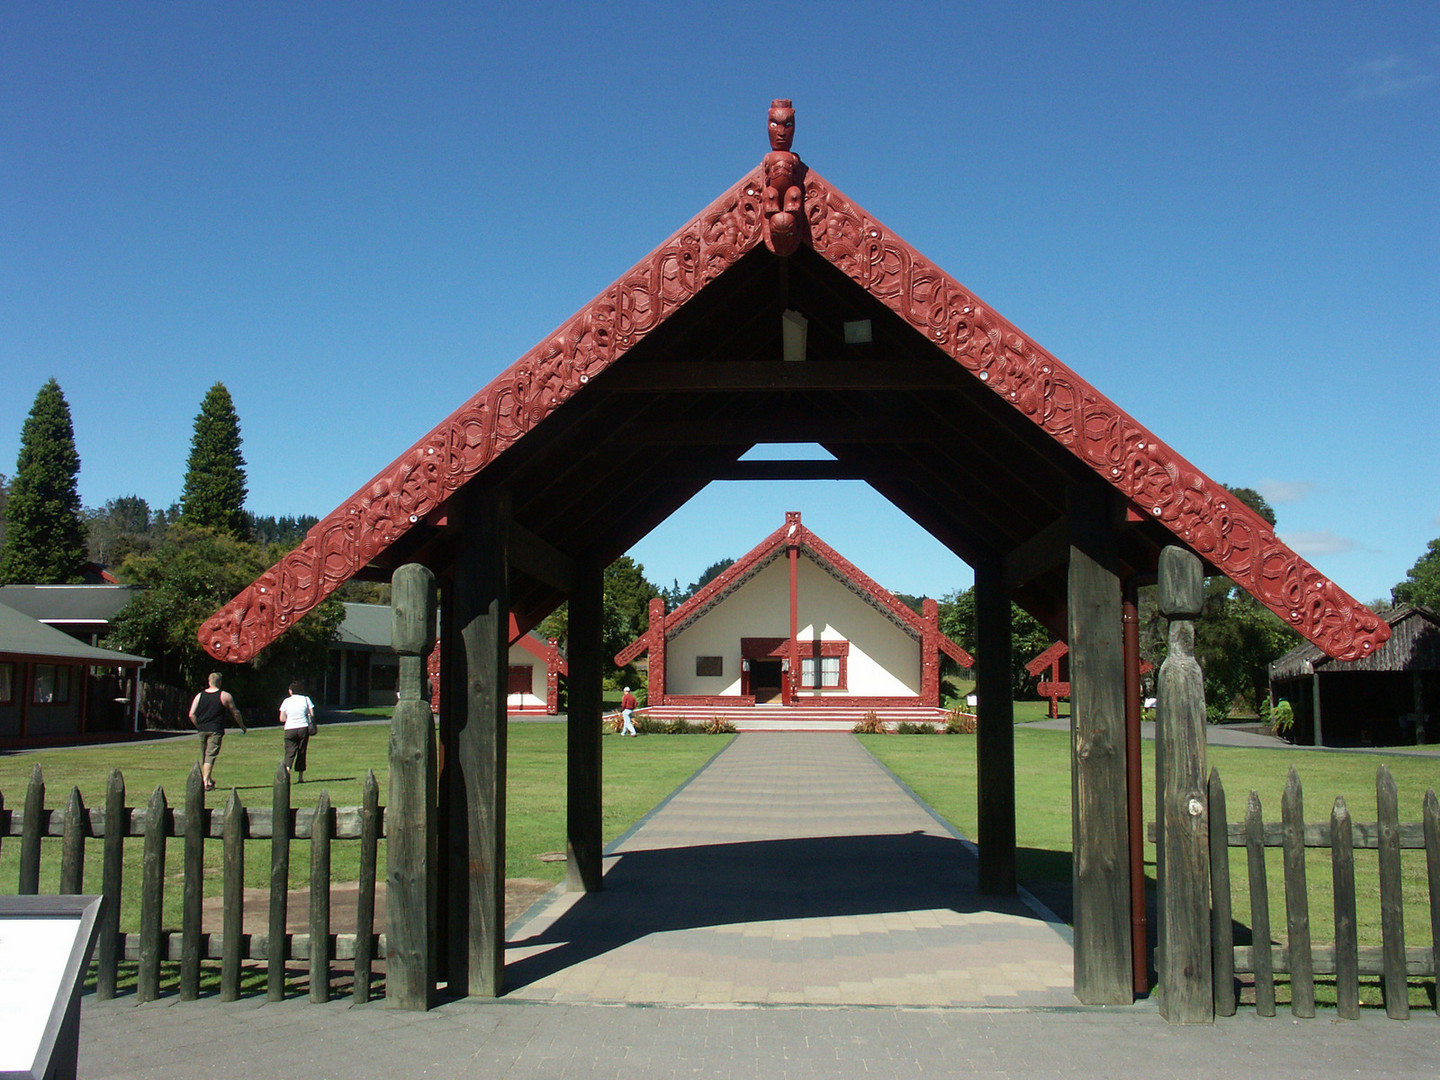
{"type": "Point", "coordinates": [365, 903]}
{"type": "Point", "coordinates": [1182, 828]}
{"type": "Point", "coordinates": [1100, 832]}
{"type": "Point", "coordinates": [72, 846]}
{"type": "Point", "coordinates": [1347, 945]}
{"type": "Point", "coordinates": [475, 748]}
{"type": "Point", "coordinates": [31, 832]}
{"type": "Point", "coordinates": [321, 830]}
{"type": "Point", "coordinates": [1297, 898]}
{"type": "Point", "coordinates": [583, 867]}
{"type": "Point", "coordinates": [117, 823]}
{"type": "Point", "coordinates": [995, 733]}
{"type": "Point", "coordinates": [1222, 925]}
{"type": "Point", "coordinates": [411, 841]}
{"type": "Point", "coordinates": [1392, 911]}
{"type": "Point", "coordinates": [232, 923]}
{"type": "Point", "coordinates": [1431, 825]}
{"type": "Point", "coordinates": [152, 897]}
{"type": "Point", "coordinates": [276, 942]}
{"type": "Point", "coordinates": [193, 896]}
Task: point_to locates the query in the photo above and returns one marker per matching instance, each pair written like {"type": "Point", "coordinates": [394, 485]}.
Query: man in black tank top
{"type": "Point", "coordinates": [207, 713]}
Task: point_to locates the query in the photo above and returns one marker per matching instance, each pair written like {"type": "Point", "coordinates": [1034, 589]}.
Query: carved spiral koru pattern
{"type": "Point", "coordinates": [1159, 481]}
{"type": "Point", "coordinates": [421, 479]}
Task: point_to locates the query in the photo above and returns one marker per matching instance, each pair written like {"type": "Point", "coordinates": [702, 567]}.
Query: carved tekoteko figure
{"type": "Point", "coordinates": [784, 204]}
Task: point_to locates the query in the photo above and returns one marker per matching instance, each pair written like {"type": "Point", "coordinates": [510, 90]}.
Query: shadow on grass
{"type": "Point", "coordinates": [223, 789]}
{"type": "Point", "coordinates": [253, 980]}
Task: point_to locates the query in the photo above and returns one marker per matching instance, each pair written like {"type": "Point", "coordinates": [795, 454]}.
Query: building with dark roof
{"type": "Point", "coordinates": [85, 612]}
{"type": "Point", "coordinates": [363, 670]}
{"type": "Point", "coordinates": [52, 686]}
{"type": "Point", "coordinates": [1389, 698]}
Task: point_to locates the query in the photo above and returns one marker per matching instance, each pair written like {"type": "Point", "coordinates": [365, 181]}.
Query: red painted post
{"type": "Point", "coordinates": [792, 685]}
{"type": "Point", "coordinates": [655, 679]}
{"type": "Point", "coordinates": [930, 654]}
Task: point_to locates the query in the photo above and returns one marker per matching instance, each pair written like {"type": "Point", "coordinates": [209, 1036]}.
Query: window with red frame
{"type": "Point", "coordinates": [520, 678]}
{"type": "Point", "coordinates": [7, 683]}
{"type": "Point", "coordinates": [822, 672]}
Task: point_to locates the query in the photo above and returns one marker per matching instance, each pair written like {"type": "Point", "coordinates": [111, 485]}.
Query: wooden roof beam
{"type": "Point", "coordinates": [778, 428]}
{"type": "Point", "coordinates": [765, 375]}
{"type": "Point", "coordinates": [531, 555]}
{"type": "Point", "coordinates": [1045, 550]}
{"type": "Point", "coordinates": [809, 469]}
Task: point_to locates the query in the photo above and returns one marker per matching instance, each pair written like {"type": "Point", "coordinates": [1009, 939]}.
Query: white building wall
{"type": "Point", "coordinates": [759, 608]}
{"type": "Point", "coordinates": [883, 661]}
{"type": "Point", "coordinates": [520, 656]}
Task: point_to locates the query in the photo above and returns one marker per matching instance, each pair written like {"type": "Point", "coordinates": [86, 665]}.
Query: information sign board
{"type": "Point", "coordinates": [45, 947]}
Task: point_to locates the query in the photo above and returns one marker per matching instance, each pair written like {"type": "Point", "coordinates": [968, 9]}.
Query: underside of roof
{"type": "Point", "coordinates": [660, 385]}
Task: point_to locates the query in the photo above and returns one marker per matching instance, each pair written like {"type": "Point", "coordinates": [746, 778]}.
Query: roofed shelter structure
{"type": "Point", "coordinates": [785, 313]}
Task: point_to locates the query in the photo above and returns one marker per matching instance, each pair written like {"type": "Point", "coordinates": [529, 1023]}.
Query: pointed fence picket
{"type": "Point", "coordinates": [194, 825]}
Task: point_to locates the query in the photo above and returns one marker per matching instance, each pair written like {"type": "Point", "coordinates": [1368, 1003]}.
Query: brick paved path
{"type": "Point", "coordinates": [794, 870]}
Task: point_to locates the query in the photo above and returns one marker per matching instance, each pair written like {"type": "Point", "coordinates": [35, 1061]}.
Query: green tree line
{"type": "Point", "coordinates": [190, 557]}
{"type": "Point", "coordinates": [195, 554]}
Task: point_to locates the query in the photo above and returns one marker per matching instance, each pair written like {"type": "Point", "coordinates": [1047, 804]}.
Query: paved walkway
{"type": "Point", "coordinates": [741, 927]}
{"type": "Point", "coordinates": [794, 870]}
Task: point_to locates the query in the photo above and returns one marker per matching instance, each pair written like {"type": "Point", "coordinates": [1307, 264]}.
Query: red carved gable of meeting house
{"type": "Point", "coordinates": [784, 206]}
{"type": "Point", "coordinates": [794, 536]}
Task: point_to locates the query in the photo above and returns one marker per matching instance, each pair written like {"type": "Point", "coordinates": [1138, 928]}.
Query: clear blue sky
{"type": "Point", "coordinates": [1225, 216]}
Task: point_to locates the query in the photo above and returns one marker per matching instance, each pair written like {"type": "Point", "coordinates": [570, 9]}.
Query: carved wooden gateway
{"type": "Point", "coordinates": [784, 312]}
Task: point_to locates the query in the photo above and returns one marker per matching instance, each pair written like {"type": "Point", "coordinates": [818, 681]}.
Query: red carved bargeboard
{"type": "Point", "coordinates": [1159, 481]}
{"type": "Point", "coordinates": [537, 384]}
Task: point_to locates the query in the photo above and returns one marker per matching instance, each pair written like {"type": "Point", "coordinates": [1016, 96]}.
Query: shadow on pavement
{"type": "Point", "coordinates": [649, 892]}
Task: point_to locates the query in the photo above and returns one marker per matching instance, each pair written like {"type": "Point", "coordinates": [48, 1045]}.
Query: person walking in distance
{"type": "Point", "coordinates": [207, 713]}
{"type": "Point", "coordinates": [297, 714]}
{"type": "Point", "coordinates": [627, 710]}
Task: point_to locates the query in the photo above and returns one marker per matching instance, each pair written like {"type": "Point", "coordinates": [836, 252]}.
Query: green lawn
{"type": "Point", "coordinates": [638, 773]}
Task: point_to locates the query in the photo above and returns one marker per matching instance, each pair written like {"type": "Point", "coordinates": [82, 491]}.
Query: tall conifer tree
{"type": "Point", "coordinates": [44, 535]}
{"type": "Point", "coordinates": [215, 492]}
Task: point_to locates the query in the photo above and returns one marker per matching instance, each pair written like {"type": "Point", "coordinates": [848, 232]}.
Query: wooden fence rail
{"type": "Point", "coordinates": [192, 825]}
{"type": "Point", "coordinates": [1345, 959]}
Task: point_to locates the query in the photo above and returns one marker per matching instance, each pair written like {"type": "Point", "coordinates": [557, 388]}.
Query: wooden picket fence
{"type": "Point", "coordinates": [1298, 957]}
{"type": "Point", "coordinates": [232, 825]}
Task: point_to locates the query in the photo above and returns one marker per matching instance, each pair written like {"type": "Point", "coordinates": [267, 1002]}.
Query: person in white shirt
{"type": "Point", "coordinates": [297, 714]}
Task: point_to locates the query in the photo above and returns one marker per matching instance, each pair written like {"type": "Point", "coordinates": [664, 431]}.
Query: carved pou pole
{"type": "Point", "coordinates": [784, 199]}
{"type": "Point", "coordinates": [411, 840]}
{"type": "Point", "coordinates": [1182, 848]}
